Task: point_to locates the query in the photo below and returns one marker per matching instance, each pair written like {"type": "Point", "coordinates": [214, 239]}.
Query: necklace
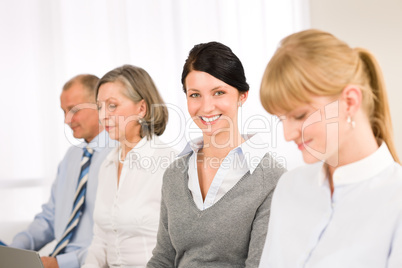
{"type": "Point", "coordinates": [120, 158]}
{"type": "Point", "coordinates": [120, 149]}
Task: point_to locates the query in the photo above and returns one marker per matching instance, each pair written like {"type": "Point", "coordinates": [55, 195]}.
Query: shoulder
{"type": "Point", "coordinates": [104, 151]}
{"type": "Point", "coordinates": [265, 177]}
{"type": "Point", "coordinates": [160, 148]}
{"type": "Point", "coordinates": [397, 170]}
{"type": "Point", "coordinates": [178, 166]}
{"type": "Point", "coordinates": [174, 178]}
{"type": "Point", "coordinates": [391, 176]}
{"type": "Point", "coordinates": [109, 155]}
{"type": "Point", "coordinates": [267, 173]}
{"type": "Point", "coordinates": [305, 170]}
{"type": "Point", "coordinates": [299, 178]}
{"type": "Point", "coordinates": [73, 153]}
{"type": "Point", "coordinates": [69, 164]}
{"type": "Point", "coordinates": [73, 149]}
{"type": "Point", "coordinates": [391, 179]}
{"type": "Point", "coordinates": [99, 159]}
{"type": "Point", "coordinates": [177, 170]}
{"type": "Point", "coordinates": [271, 167]}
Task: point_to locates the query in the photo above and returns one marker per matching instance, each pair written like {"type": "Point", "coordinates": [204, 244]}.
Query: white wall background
{"type": "Point", "coordinates": [46, 42]}
{"type": "Point", "coordinates": [377, 26]}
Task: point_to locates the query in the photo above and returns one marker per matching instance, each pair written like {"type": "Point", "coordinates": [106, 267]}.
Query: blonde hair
{"type": "Point", "coordinates": [316, 63]}
{"type": "Point", "coordinates": [140, 86]}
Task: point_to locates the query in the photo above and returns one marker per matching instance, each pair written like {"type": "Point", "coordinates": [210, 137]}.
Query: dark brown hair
{"type": "Point", "coordinates": [217, 60]}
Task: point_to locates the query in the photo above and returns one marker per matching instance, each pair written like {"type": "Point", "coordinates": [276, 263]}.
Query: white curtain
{"type": "Point", "coordinates": [46, 42]}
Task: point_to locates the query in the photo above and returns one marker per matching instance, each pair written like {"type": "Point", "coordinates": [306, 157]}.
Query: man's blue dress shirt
{"type": "Point", "coordinates": [50, 224]}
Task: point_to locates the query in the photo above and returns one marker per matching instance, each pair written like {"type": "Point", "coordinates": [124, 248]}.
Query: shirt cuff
{"type": "Point", "coordinates": [68, 260]}
{"type": "Point", "coordinates": [22, 241]}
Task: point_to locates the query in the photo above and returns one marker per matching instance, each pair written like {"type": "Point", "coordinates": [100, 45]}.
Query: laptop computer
{"type": "Point", "coordinates": [19, 258]}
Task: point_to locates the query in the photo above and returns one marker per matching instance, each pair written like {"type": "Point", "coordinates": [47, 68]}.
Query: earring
{"type": "Point", "coordinates": [351, 121]}
{"type": "Point", "coordinates": [239, 104]}
{"type": "Point", "coordinates": [140, 120]}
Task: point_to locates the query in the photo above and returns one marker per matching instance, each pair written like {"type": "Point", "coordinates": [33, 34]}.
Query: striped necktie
{"type": "Point", "coordinates": [78, 205]}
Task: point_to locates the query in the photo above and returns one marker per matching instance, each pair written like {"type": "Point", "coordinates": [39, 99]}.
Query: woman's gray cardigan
{"type": "Point", "coordinates": [231, 233]}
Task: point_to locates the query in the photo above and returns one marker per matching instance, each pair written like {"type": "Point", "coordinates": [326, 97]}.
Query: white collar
{"type": "Point", "coordinates": [143, 148]}
{"type": "Point", "coordinates": [192, 146]}
{"type": "Point", "coordinates": [361, 170]}
{"type": "Point", "coordinates": [253, 149]}
{"type": "Point", "coordinates": [101, 141]}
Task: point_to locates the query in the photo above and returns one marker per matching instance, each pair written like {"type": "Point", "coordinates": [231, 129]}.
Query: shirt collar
{"type": "Point", "coordinates": [253, 149]}
{"type": "Point", "coordinates": [192, 146]}
{"type": "Point", "coordinates": [143, 148]}
{"type": "Point", "coordinates": [100, 142]}
{"type": "Point", "coordinates": [360, 170]}
{"type": "Point", "coordinates": [365, 168]}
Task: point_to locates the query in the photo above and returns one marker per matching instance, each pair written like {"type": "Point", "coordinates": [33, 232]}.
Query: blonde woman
{"type": "Point", "coordinates": [128, 198]}
{"type": "Point", "coordinates": [344, 209]}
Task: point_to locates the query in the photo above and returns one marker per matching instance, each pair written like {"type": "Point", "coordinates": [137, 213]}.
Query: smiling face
{"type": "Point", "coordinates": [212, 103]}
{"type": "Point", "coordinates": [118, 113]}
{"type": "Point", "coordinates": [315, 129]}
{"type": "Point", "coordinates": [80, 112]}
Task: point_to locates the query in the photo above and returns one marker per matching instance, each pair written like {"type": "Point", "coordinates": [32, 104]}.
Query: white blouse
{"type": "Point", "coordinates": [359, 227]}
{"type": "Point", "coordinates": [126, 216]}
{"type": "Point", "coordinates": [236, 164]}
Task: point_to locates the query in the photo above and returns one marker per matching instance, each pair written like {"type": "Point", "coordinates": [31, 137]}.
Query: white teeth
{"type": "Point", "coordinates": [211, 119]}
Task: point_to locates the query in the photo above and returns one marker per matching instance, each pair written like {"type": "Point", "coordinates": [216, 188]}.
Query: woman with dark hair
{"type": "Point", "coordinates": [216, 197]}
{"type": "Point", "coordinates": [126, 214]}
